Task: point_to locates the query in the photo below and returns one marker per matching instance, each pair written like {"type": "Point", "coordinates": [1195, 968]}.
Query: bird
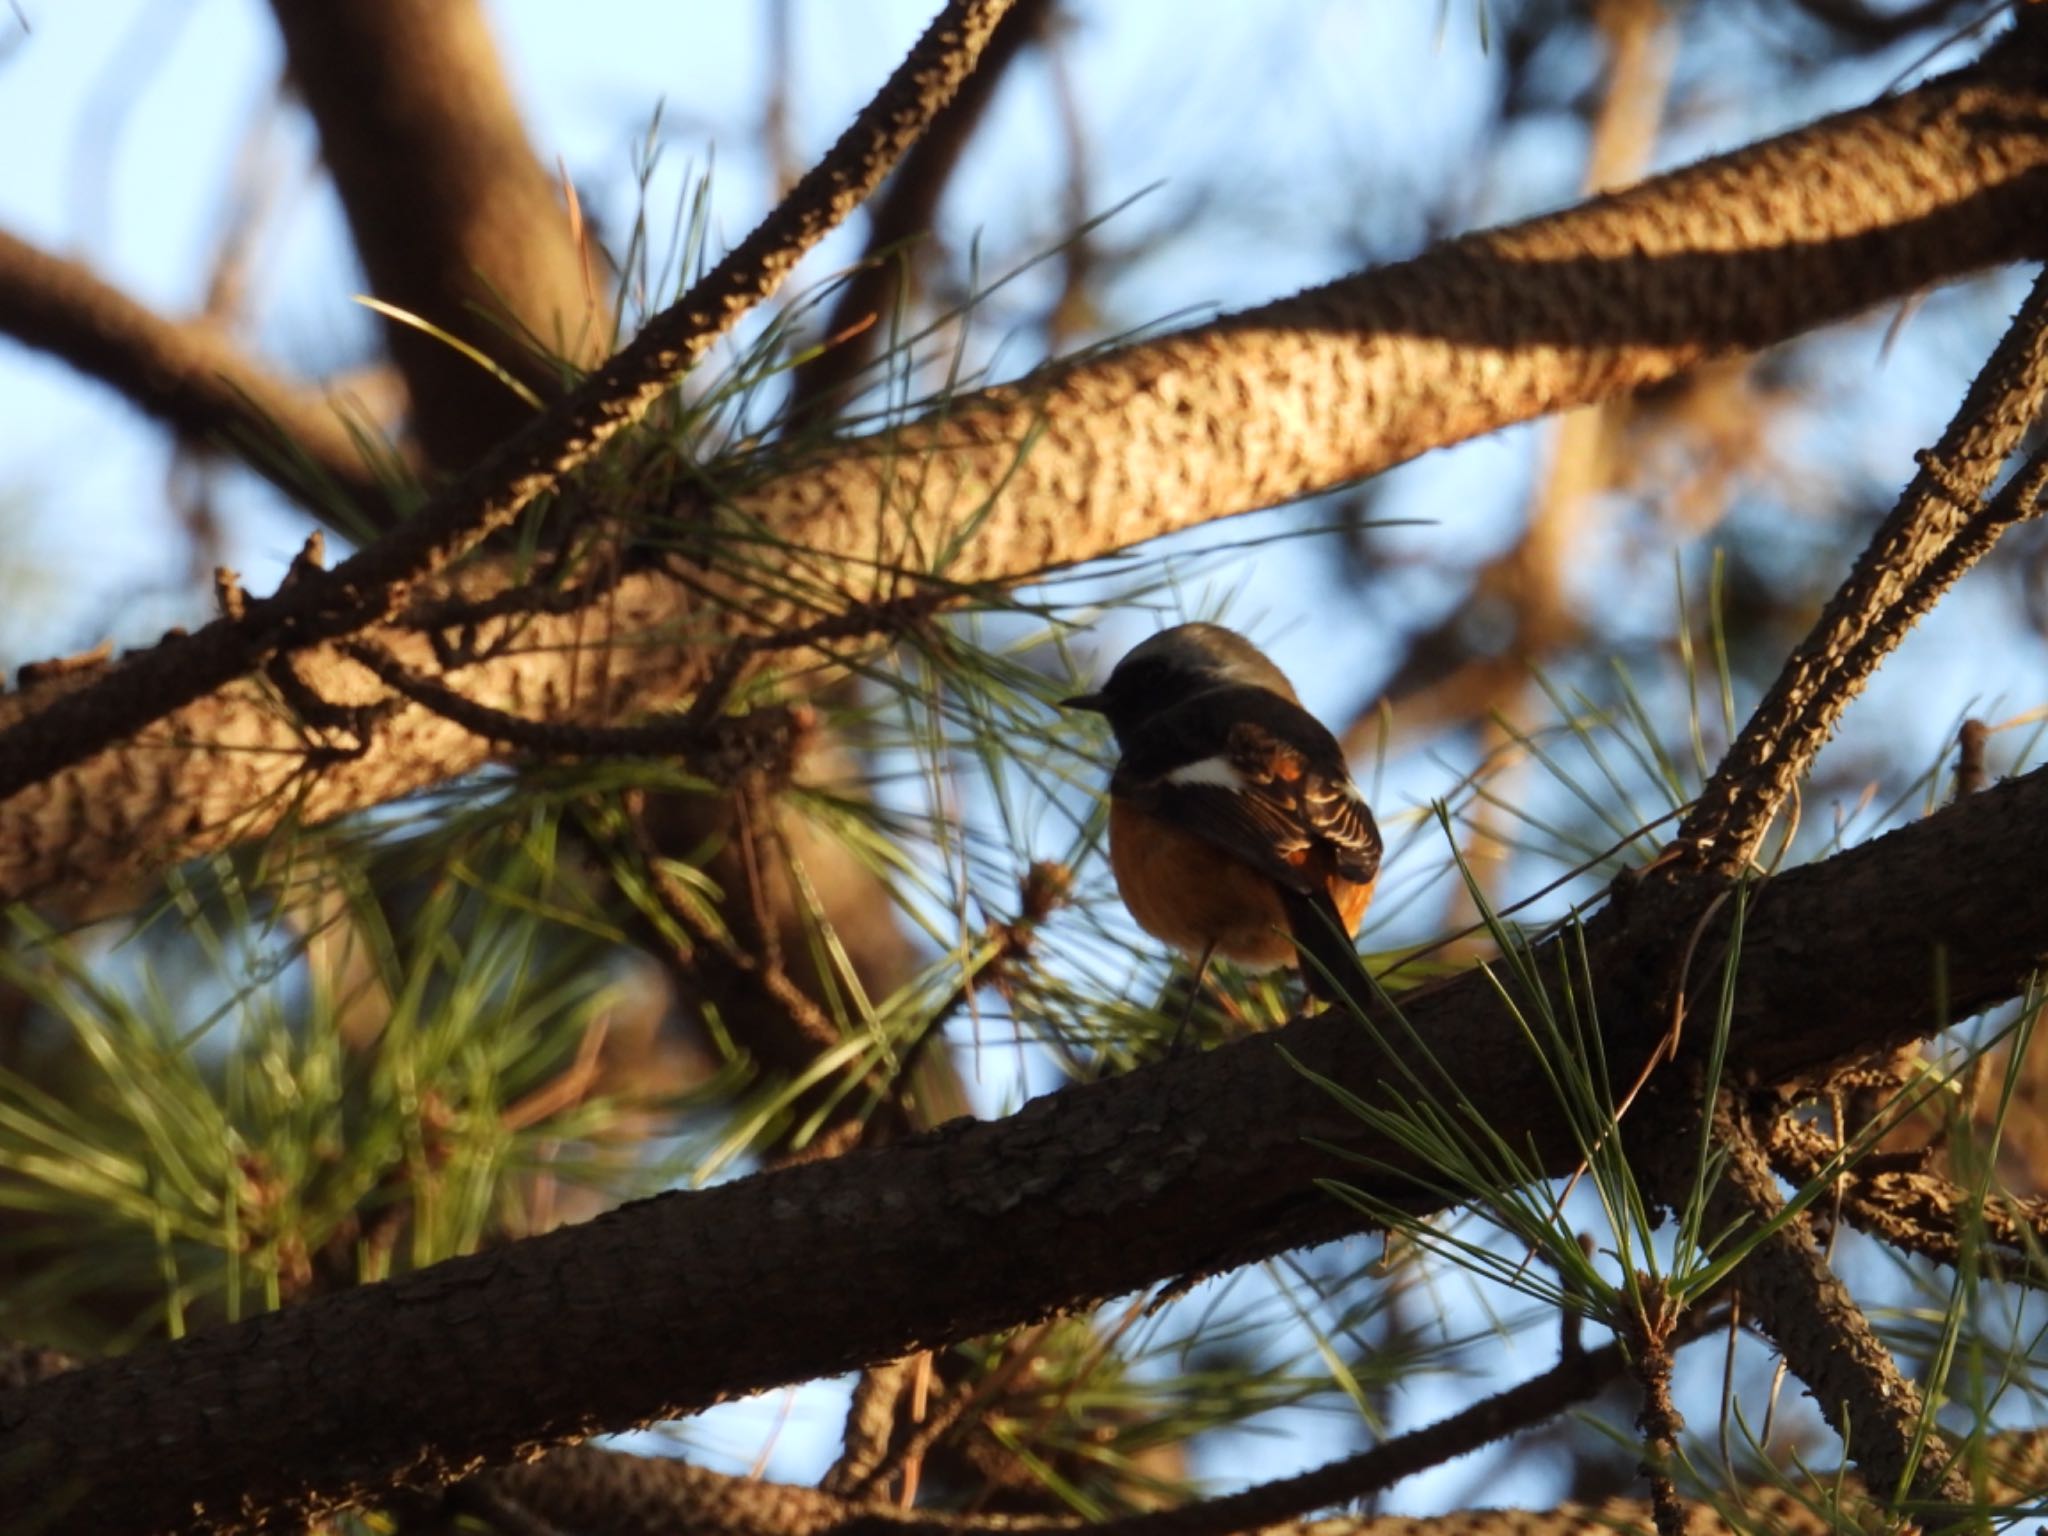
{"type": "Point", "coordinates": [1234, 826]}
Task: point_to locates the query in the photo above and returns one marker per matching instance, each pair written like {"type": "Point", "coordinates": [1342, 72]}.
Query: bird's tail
{"type": "Point", "coordinates": [1328, 960]}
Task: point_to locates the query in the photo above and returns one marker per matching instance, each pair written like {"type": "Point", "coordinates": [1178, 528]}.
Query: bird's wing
{"type": "Point", "coordinates": [1258, 775]}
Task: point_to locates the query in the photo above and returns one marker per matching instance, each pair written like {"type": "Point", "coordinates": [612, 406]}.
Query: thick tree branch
{"type": "Point", "coordinates": [187, 374]}
{"type": "Point", "coordinates": [1346, 380]}
{"type": "Point", "coordinates": [627, 1495]}
{"type": "Point", "coordinates": [1192, 1165]}
{"type": "Point", "coordinates": [1724, 257]}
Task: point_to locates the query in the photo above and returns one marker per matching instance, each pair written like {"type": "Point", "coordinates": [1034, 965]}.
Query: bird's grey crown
{"type": "Point", "coordinates": [1206, 652]}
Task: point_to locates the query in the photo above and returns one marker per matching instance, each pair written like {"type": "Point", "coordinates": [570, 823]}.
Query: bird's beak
{"type": "Point", "coordinates": [1088, 701]}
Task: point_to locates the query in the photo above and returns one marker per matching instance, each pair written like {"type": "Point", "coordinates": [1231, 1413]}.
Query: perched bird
{"type": "Point", "coordinates": [1234, 827]}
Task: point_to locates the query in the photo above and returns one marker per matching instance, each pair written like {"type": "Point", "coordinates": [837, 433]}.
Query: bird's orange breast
{"type": "Point", "coordinates": [1185, 890]}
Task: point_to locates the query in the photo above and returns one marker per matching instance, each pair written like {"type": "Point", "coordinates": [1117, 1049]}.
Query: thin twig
{"type": "Point", "coordinates": [768, 984]}
{"type": "Point", "coordinates": [955, 1409]}
{"type": "Point", "coordinates": [1043, 890]}
{"type": "Point", "coordinates": [1493, 1418]}
{"type": "Point", "coordinates": [724, 749]}
{"type": "Point", "coordinates": [1649, 1328]}
{"type": "Point", "coordinates": [897, 615]}
{"type": "Point", "coordinates": [1970, 743]}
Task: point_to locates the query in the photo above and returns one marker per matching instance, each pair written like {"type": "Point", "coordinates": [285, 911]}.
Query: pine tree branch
{"type": "Point", "coordinates": [1189, 1166]}
{"type": "Point", "coordinates": [721, 748]}
{"type": "Point", "coordinates": [1345, 380]}
{"type": "Point", "coordinates": [1586, 304]}
{"type": "Point", "coordinates": [188, 375]}
{"type": "Point", "coordinates": [1791, 1293]}
{"type": "Point", "coordinates": [375, 583]}
{"type": "Point", "coordinates": [1941, 526]}
{"type": "Point", "coordinates": [589, 1489]}
{"type": "Point", "coordinates": [1045, 888]}
{"type": "Point", "coordinates": [629, 1496]}
{"type": "Point", "coordinates": [870, 1425]}
{"type": "Point", "coordinates": [1912, 1209]}
{"type": "Point", "coordinates": [785, 1024]}
{"type": "Point", "coordinates": [1650, 1330]}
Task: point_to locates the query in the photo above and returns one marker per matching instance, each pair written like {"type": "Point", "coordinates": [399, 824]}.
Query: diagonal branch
{"type": "Point", "coordinates": [1809, 1313]}
{"type": "Point", "coordinates": [1189, 1166]}
{"type": "Point", "coordinates": [1304, 394]}
{"type": "Point", "coordinates": [1939, 528]}
{"type": "Point", "coordinates": [188, 375]}
{"type": "Point", "coordinates": [377, 581]}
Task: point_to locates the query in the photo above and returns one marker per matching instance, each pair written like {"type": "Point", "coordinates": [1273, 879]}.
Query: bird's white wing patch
{"type": "Point", "coordinates": [1208, 770]}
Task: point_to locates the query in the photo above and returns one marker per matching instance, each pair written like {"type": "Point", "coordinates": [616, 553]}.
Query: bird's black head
{"type": "Point", "coordinates": [1172, 667]}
